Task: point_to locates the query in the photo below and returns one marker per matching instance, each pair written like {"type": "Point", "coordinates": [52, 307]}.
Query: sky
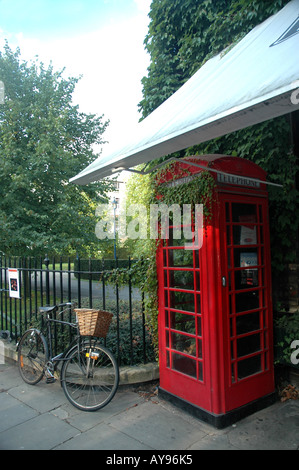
{"type": "Point", "coordinates": [99, 39]}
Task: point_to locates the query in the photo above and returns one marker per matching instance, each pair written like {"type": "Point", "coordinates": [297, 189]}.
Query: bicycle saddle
{"type": "Point", "coordinates": [47, 309]}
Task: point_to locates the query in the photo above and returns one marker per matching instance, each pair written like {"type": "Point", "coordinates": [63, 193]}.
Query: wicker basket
{"type": "Point", "coordinates": [93, 322]}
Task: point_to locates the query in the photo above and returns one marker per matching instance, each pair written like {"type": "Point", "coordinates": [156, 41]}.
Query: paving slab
{"type": "Point", "coordinates": [43, 432]}
{"type": "Point", "coordinates": [103, 437]}
{"type": "Point", "coordinates": [9, 376]}
{"type": "Point", "coordinates": [122, 402]}
{"type": "Point", "coordinates": [42, 397]}
{"type": "Point", "coordinates": [269, 431]}
{"type": "Point", "coordinates": [213, 442]}
{"type": "Point", "coordinates": [150, 423]}
{"type": "Point", "coordinates": [13, 412]}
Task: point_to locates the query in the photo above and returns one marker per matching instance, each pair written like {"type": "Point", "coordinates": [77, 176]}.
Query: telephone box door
{"type": "Point", "coordinates": [184, 353]}
{"type": "Point", "coordinates": [247, 318]}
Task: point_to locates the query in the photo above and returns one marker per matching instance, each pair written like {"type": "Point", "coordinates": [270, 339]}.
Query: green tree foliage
{"type": "Point", "coordinates": [44, 141]}
{"type": "Point", "coordinates": [139, 190]}
{"type": "Point", "coordinates": [182, 36]}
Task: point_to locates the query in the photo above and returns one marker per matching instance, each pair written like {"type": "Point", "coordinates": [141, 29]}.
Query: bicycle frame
{"type": "Point", "coordinates": [60, 356]}
{"type": "Point", "coordinates": [53, 361]}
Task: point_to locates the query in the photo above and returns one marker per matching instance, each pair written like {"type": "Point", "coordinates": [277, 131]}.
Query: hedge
{"type": "Point", "coordinates": [92, 268]}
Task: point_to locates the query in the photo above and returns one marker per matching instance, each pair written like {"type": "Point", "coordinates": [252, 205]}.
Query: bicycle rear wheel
{"type": "Point", "coordinates": [89, 376]}
{"type": "Point", "coordinates": [32, 356]}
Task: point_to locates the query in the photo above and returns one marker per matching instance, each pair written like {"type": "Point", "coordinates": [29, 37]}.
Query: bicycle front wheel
{"type": "Point", "coordinates": [32, 356]}
{"type": "Point", "coordinates": [89, 376]}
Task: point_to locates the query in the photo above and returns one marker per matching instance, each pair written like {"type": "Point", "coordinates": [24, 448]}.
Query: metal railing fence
{"type": "Point", "coordinates": [43, 281]}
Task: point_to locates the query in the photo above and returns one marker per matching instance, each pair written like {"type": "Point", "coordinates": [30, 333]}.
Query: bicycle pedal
{"type": "Point", "coordinates": [50, 380]}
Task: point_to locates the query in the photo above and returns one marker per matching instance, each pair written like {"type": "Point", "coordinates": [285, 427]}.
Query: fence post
{"type": "Point", "coordinates": [79, 281]}
{"type": "Point", "coordinates": [143, 320]}
{"type": "Point", "coordinates": [117, 314]}
{"type": "Point", "coordinates": [130, 311]}
{"type": "Point", "coordinates": [47, 261]}
{"type": "Point", "coordinates": [90, 282]}
{"type": "Point", "coordinates": [103, 284]}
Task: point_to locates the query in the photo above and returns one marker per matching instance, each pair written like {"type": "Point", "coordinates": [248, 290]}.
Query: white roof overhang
{"type": "Point", "coordinates": [256, 80]}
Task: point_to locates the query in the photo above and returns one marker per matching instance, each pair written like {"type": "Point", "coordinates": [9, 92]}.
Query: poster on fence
{"type": "Point", "coordinates": [14, 283]}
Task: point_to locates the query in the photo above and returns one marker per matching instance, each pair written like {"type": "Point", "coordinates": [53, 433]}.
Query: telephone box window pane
{"type": "Point", "coordinates": [183, 364]}
{"type": "Point", "coordinates": [261, 214]}
{"type": "Point", "coordinates": [248, 345]}
{"type": "Point", "coordinates": [166, 299]}
{"type": "Point", "coordinates": [233, 373]}
{"type": "Point", "coordinates": [184, 344]}
{"type": "Point", "coordinates": [181, 279]}
{"type": "Point", "coordinates": [250, 366]}
{"type": "Point", "coordinates": [228, 240]}
{"type": "Point", "coordinates": [245, 258]}
{"type": "Point", "coordinates": [248, 323]}
{"type": "Point", "coordinates": [247, 301]}
{"type": "Point", "coordinates": [199, 332]}
{"type": "Point", "coordinates": [182, 322]}
{"type": "Point", "coordinates": [261, 235]}
{"type": "Point", "coordinates": [180, 257]}
{"type": "Point", "coordinates": [197, 280]}
{"type": "Point", "coordinates": [265, 318]}
{"type": "Point", "coordinates": [231, 309]}
{"type": "Point", "coordinates": [229, 258]}
{"type": "Point", "coordinates": [265, 339]}
{"type": "Point", "coordinates": [232, 350]}
{"type": "Point", "coordinates": [266, 361]}
{"type": "Point", "coordinates": [246, 278]}
{"type": "Point", "coordinates": [185, 236]}
{"type": "Point", "coordinates": [167, 338]}
{"type": "Point", "coordinates": [262, 255]}
{"type": "Point", "coordinates": [227, 213]}
{"type": "Point", "coordinates": [166, 319]}
{"type": "Point", "coordinates": [200, 372]}
{"type": "Point", "coordinates": [199, 345]}
{"type": "Point", "coordinates": [244, 212]}
{"type": "Point", "coordinates": [198, 307]}
{"type": "Point", "coordinates": [182, 301]}
{"type": "Point", "coordinates": [245, 235]}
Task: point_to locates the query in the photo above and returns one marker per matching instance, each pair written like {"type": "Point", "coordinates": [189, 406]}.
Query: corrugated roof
{"type": "Point", "coordinates": [256, 80]}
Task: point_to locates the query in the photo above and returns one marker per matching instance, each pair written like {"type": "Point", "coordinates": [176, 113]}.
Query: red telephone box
{"type": "Point", "coordinates": [215, 310]}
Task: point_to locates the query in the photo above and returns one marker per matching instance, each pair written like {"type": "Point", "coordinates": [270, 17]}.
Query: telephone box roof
{"type": "Point", "coordinates": [258, 79]}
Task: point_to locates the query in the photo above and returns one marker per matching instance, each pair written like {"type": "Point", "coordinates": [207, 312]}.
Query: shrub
{"type": "Point", "coordinates": [286, 331]}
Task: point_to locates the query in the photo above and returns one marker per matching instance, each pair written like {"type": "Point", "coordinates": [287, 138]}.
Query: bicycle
{"type": "Point", "coordinates": [89, 373]}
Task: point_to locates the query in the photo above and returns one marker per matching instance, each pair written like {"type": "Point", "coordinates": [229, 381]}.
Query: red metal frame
{"type": "Point", "coordinates": [215, 316]}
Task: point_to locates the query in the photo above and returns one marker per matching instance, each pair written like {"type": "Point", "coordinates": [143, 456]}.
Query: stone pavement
{"type": "Point", "coordinates": [40, 418]}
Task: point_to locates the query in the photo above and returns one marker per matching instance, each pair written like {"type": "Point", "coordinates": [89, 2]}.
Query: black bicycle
{"type": "Point", "coordinates": [89, 372]}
